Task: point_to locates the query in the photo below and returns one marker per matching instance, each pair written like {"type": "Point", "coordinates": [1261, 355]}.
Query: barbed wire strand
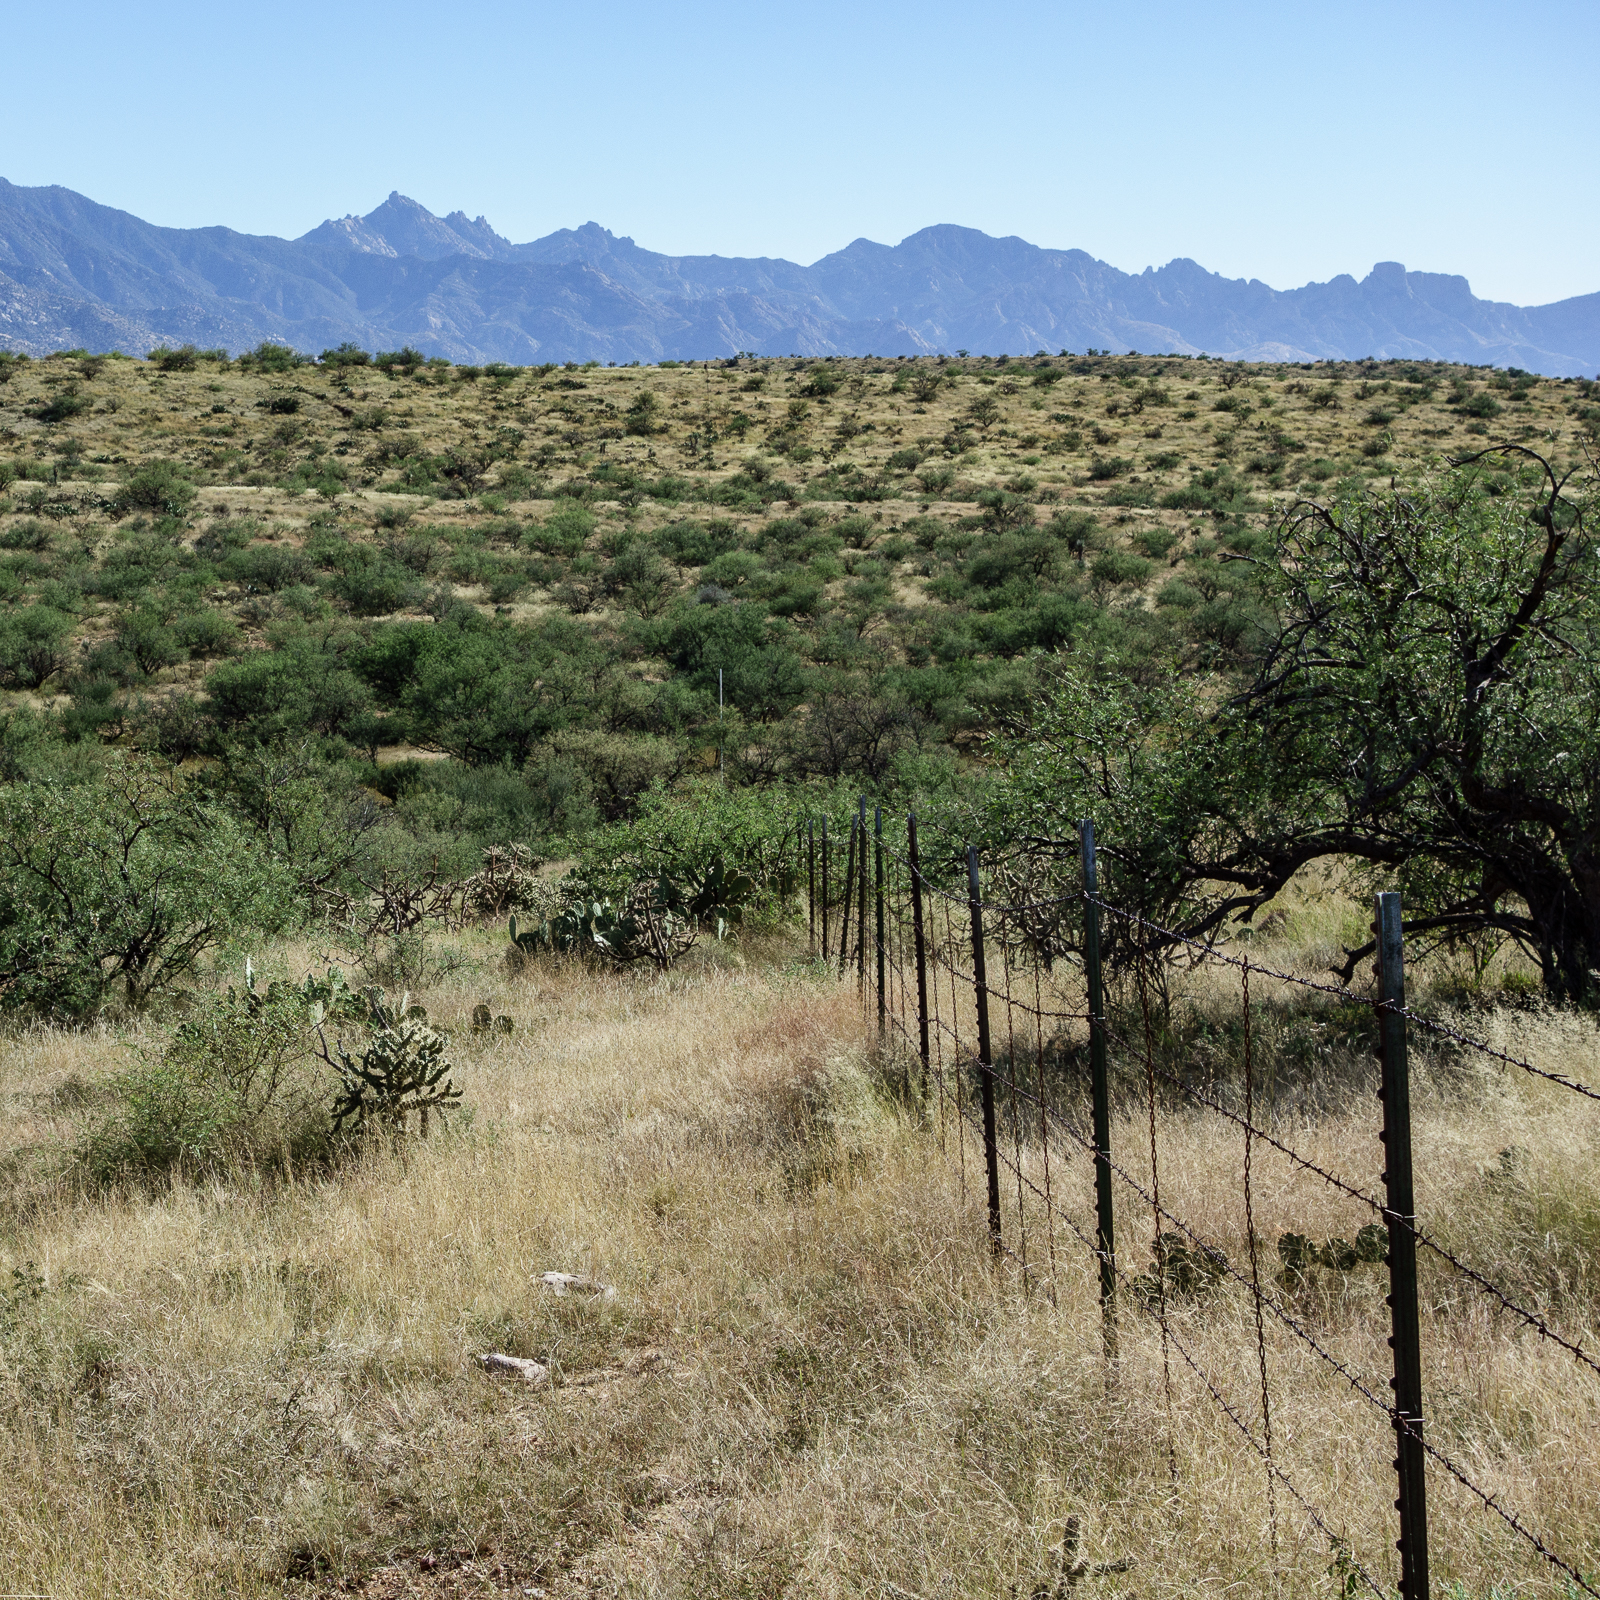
{"type": "Point", "coordinates": [1344, 993]}
{"type": "Point", "coordinates": [1529, 1318]}
{"type": "Point", "coordinates": [1511, 1519]}
{"type": "Point", "coordinates": [1230, 1411]}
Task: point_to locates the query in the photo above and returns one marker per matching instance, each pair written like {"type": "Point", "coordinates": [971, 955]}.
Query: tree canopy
{"type": "Point", "coordinates": [1422, 701]}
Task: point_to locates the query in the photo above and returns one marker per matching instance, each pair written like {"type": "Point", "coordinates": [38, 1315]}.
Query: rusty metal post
{"type": "Point", "coordinates": [1105, 1242]}
{"type": "Point", "coordinates": [861, 915]}
{"type": "Point", "coordinates": [824, 888]}
{"type": "Point", "coordinates": [849, 894]}
{"type": "Point", "coordinates": [883, 997]}
{"type": "Point", "coordinates": [980, 985]}
{"type": "Point", "coordinates": [811, 885]}
{"type": "Point", "coordinates": [919, 939]}
{"type": "Point", "coordinates": [1400, 1214]}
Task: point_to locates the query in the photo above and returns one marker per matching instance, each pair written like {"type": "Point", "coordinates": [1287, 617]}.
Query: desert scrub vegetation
{"type": "Point", "coordinates": [810, 1380]}
{"type": "Point", "coordinates": [343, 665]}
{"type": "Point", "coordinates": [554, 568]}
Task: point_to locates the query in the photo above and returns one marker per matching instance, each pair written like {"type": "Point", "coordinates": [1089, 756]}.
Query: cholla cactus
{"type": "Point", "coordinates": [403, 1068]}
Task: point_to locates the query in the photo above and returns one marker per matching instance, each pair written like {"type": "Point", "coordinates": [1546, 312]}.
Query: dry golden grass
{"type": "Point", "coordinates": [811, 1381]}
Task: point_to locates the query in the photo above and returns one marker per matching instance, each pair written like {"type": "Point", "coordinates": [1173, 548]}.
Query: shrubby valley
{"type": "Point", "coordinates": [405, 958]}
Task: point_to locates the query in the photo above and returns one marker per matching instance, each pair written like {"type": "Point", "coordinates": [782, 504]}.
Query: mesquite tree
{"type": "Point", "coordinates": [1426, 702]}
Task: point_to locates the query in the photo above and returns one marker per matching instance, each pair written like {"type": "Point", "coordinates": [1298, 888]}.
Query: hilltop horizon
{"type": "Point", "coordinates": [76, 273]}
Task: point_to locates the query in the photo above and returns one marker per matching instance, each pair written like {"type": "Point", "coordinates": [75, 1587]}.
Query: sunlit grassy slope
{"type": "Point", "coordinates": [811, 1381]}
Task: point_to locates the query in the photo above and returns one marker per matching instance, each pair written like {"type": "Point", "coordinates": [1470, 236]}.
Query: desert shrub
{"type": "Point", "coordinates": [1121, 566]}
{"type": "Point", "coordinates": [684, 832]}
{"type": "Point", "coordinates": [377, 587]}
{"type": "Point", "coordinates": [345, 355]}
{"type": "Point", "coordinates": [158, 486]}
{"type": "Point", "coordinates": [122, 886]}
{"type": "Point", "coordinates": [269, 357]}
{"type": "Point", "coordinates": [236, 1087]}
{"type": "Point", "coordinates": [405, 360]}
{"type": "Point", "coordinates": [207, 632]}
{"type": "Point", "coordinates": [144, 638]}
{"type": "Point", "coordinates": [644, 415]}
{"type": "Point", "coordinates": [33, 645]}
{"type": "Point", "coordinates": [65, 403]}
{"type": "Point", "coordinates": [564, 531]}
{"type": "Point", "coordinates": [269, 566]}
{"type": "Point", "coordinates": [183, 359]}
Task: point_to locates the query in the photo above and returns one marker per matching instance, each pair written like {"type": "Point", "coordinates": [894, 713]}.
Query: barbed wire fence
{"type": "Point", "coordinates": [1001, 1044]}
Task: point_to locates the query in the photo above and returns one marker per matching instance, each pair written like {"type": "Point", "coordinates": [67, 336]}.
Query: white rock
{"type": "Point", "coordinates": [525, 1371]}
{"type": "Point", "coordinates": [570, 1283]}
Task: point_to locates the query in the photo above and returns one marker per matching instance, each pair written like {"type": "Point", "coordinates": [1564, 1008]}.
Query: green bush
{"type": "Point", "coordinates": [685, 832]}
{"type": "Point", "coordinates": [564, 532]}
{"type": "Point", "coordinates": [34, 641]}
{"type": "Point", "coordinates": [158, 486]}
{"type": "Point", "coordinates": [236, 1087]}
{"type": "Point", "coordinates": [269, 357]}
{"type": "Point", "coordinates": [1121, 566]}
{"type": "Point", "coordinates": [183, 359]}
{"type": "Point", "coordinates": [122, 886]}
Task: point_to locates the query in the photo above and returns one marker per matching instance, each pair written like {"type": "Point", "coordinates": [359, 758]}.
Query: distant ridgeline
{"type": "Point", "coordinates": [74, 274]}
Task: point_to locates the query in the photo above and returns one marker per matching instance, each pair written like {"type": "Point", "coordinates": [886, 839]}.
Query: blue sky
{"type": "Point", "coordinates": [1284, 142]}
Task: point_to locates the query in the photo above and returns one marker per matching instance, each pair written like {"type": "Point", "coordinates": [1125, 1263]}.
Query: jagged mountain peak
{"type": "Point", "coordinates": [73, 272]}
{"type": "Point", "coordinates": [402, 226]}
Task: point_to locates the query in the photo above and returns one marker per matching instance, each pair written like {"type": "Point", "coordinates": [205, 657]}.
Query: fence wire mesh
{"type": "Point", "coordinates": [986, 1024]}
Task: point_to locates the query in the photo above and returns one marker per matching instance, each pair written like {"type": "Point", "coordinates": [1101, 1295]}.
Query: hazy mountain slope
{"type": "Point", "coordinates": [73, 272]}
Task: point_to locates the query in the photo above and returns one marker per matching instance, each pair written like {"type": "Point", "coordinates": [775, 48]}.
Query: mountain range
{"type": "Point", "coordinates": [77, 274]}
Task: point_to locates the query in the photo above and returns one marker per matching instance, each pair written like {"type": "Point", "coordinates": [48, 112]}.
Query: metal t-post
{"type": "Point", "coordinates": [824, 888]}
{"type": "Point", "coordinates": [811, 884]}
{"type": "Point", "coordinates": [919, 939]}
{"type": "Point", "coordinates": [861, 918]}
{"type": "Point", "coordinates": [1400, 1214]}
{"type": "Point", "coordinates": [1105, 1220]}
{"type": "Point", "coordinates": [980, 986]}
{"type": "Point", "coordinates": [883, 999]}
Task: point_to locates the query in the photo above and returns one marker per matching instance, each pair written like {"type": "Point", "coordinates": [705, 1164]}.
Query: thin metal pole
{"type": "Point", "coordinates": [1400, 1213]}
{"type": "Point", "coordinates": [824, 888]}
{"type": "Point", "coordinates": [883, 1021]}
{"type": "Point", "coordinates": [980, 985]}
{"type": "Point", "coordinates": [921, 943]}
{"type": "Point", "coordinates": [849, 893]}
{"type": "Point", "coordinates": [811, 884]}
{"type": "Point", "coordinates": [1105, 1220]}
{"type": "Point", "coordinates": [861, 916]}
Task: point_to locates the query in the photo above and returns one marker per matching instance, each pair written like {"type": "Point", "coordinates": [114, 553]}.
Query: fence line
{"type": "Point", "coordinates": [919, 980]}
